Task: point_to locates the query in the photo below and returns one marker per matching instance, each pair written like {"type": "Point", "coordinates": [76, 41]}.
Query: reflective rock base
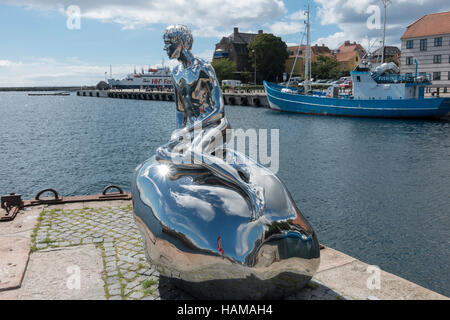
{"type": "Point", "coordinates": [197, 230]}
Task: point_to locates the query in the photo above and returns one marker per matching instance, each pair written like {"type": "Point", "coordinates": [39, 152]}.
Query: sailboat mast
{"type": "Point", "coordinates": [307, 46]}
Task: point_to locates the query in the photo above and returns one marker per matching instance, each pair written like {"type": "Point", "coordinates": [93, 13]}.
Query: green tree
{"type": "Point", "coordinates": [224, 68]}
{"type": "Point", "coordinates": [325, 68]}
{"type": "Point", "coordinates": [271, 54]}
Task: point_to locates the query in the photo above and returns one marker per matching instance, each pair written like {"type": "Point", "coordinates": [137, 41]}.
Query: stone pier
{"type": "Point", "coordinates": [251, 99]}
{"type": "Point", "coordinates": [93, 250]}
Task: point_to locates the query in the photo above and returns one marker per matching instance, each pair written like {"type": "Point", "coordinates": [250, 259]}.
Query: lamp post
{"type": "Point", "coordinates": [254, 52]}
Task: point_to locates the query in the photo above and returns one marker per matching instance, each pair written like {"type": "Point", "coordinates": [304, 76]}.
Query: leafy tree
{"type": "Point", "coordinates": [224, 68]}
{"type": "Point", "coordinates": [271, 54]}
{"type": "Point", "coordinates": [325, 68]}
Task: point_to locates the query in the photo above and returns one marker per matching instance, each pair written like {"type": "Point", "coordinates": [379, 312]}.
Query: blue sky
{"type": "Point", "coordinates": [37, 48]}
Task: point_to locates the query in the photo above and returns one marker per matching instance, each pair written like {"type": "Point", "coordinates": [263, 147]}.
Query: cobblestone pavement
{"type": "Point", "coordinates": [127, 274]}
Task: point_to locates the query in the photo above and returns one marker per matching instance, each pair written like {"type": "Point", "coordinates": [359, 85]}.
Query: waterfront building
{"type": "Point", "coordinates": [349, 55]}
{"type": "Point", "coordinates": [299, 69]}
{"type": "Point", "coordinates": [235, 48]}
{"type": "Point", "coordinates": [391, 53]}
{"type": "Point", "coordinates": [428, 42]}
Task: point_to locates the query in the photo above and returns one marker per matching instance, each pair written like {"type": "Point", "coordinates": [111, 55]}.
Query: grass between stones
{"type": "Point", "coordinates": [113, 232]}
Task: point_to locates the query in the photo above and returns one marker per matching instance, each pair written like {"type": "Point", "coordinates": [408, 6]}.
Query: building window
{"type": "Point", "coordinates": [409, 44]}
{"type": "Point", "coordinates": [409, 60]}
{"type": "Point", "coordinates": [423, 45]}
{"type": "Point", "coordinates": [437, 58]}
{"type": "Point", "coordinates": [449, 75]}
{"type": "Point", "coordinates": [436, 76]}
{"type": "Point", "coordinates": [438, 42]}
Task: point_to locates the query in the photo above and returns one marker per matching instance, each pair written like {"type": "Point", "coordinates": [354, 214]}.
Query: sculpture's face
{"type": "Point", "coordinates": [173, 49]}
{"type": "Point", "coordinates": [176, 38]}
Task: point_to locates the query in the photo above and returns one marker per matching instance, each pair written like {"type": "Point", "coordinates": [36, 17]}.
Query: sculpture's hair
{"type": "Point", "coordinates": [179, 33]}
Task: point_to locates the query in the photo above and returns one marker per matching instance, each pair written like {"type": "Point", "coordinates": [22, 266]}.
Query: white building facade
{"type": "Point", "coordinates": [427, 42]}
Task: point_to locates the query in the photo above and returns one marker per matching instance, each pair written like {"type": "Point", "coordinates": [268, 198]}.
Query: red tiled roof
{"type": "Point", "coordinates": [347, 51]}
{"type": "Point", "coordinates": [429, 25]}
{"type": "Point", "coordinates": [317, 50]}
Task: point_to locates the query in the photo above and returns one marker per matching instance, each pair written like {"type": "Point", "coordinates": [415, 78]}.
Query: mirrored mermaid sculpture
{"type": "Point", "coordinates": [216, 222]}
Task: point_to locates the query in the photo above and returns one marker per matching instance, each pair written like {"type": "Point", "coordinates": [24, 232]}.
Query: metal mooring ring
{"type": "Point", "coordinates": [49, 190]}
{"type": "Point", "coordinates": [112, 186]}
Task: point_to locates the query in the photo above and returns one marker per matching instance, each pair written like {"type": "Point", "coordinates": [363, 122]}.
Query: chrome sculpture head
{"type": "Point", "coordinates": [223, 227]}
{"type": "Point", "coordinates": [176, 39]}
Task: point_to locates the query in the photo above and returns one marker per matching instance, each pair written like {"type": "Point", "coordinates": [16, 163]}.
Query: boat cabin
{"type": "Point", "coordinates": [372, 86]}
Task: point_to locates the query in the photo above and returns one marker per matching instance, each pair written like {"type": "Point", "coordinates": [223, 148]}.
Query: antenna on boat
{"type": "Point", "coordinates": [110, 71]}
{"type": "Point", "coordinates": [385, 4]}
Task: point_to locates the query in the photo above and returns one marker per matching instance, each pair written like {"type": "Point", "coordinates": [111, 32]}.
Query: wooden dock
{"type": "Point", "coordinates": [237, 98]}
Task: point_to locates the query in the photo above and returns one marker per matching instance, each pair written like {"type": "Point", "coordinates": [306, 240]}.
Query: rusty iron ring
{"type": "Point", "coordinates": [47, 190]}
{"type": "Point", "coordinates": [112, 186]}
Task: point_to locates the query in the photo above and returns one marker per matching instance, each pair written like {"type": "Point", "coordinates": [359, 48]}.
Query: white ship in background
{"type": "Point", "coordinates": [154, 78]}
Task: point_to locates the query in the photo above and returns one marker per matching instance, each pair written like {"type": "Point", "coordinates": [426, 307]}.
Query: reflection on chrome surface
{"type": "Point", "coordinates": [220, 224]}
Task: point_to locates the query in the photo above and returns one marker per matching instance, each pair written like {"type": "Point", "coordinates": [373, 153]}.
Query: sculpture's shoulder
{"type": "Point", "coordinates": [177, 70]}
{"type": "Point", "coordinates": [202, 65]}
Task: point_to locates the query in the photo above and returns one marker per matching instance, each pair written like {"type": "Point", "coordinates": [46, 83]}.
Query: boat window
{"type": "Point", "coordinates": [358, 78]}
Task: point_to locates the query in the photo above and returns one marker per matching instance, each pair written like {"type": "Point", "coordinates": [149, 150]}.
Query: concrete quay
{"type": "Point", "coordinates": [93, 250]}
{"type": "Point", "coordinates": [239, 98]}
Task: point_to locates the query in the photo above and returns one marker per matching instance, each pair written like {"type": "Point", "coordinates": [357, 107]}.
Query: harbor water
{"type": "Point", "coordinates": [376, 189]}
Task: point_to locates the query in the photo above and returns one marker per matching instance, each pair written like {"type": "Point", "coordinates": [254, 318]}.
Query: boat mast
{"type": "Point", "coordinates": [385, 4]}
{"type": "Point", "coordinates": [308, 40]}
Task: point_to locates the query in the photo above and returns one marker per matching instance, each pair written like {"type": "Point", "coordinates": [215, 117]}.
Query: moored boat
{"type": "Point", "coordinates": [382, 93]}
{"type": "Point", "coordinates": [392, 96]}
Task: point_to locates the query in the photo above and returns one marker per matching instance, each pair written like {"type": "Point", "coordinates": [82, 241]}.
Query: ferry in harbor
{"type": "Point", "coordinates": [154, 78]}
{"type": "Point", "coordinates": [382, 93]}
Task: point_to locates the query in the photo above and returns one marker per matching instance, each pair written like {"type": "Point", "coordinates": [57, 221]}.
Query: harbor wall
{"type": "Point", "coordinates": [239, 98]}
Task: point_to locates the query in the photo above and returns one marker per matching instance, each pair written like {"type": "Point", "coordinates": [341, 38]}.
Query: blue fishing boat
{"type": "Point", "coordinates": [380, 93]}
{"type": "Point", "coordinates": [391, 96]}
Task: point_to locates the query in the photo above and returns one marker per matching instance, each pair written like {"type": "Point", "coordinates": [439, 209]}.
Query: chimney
{"type": "Point", "coordinates": [236, 30]}
{"type": "Point", "coordinates": [347, 42]}
{"type": "Point", "coordinates": [260, 32]}
{"type": "Point", "coordinates": [323, 44]}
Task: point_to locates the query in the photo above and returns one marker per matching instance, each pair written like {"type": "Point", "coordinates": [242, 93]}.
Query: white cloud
{"type": "Point", "coordinates": [49, 72]}
{"type": "Point", "coordinates": [282, 28]}
{"type": "Point", "coordinates": [351, 17]}
{"type": "Point", "coordinates": [206, 17]}
{"type": "Point", "coordinates": [297, 15]}
{"type": "Point", "coordinates": [7, 63]}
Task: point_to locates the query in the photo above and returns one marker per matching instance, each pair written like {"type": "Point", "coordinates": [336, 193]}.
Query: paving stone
{"type": "Point", "coordinates": [114, 292]}
{"type": "Point", "coordinates": [112, 280]}
{"type": "Point", "coordinates": [112, 273]}
{"type": "Point", "coordinates": [130, 275]}
{"type": "Point", "coordinates": [136, 295]}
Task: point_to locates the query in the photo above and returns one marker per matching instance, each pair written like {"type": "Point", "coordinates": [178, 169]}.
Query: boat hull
{"type": "Point", "coordinates": [394, 108]}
